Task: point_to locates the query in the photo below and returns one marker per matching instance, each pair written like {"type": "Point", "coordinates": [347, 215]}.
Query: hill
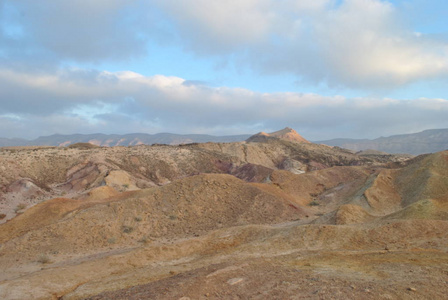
{"type": "Point", "coordinates": [428, 141]}
{"type": "Point", "coordinates": [287, 133]}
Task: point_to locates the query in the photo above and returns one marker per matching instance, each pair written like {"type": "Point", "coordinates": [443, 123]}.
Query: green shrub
{"type": "Point", "coordinates": [127, 229]}
{"type": "Point", "coordinates": [144, 240]}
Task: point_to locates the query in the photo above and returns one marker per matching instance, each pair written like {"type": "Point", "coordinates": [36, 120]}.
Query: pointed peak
{"type": "Point", "coordinates": [286, 133]}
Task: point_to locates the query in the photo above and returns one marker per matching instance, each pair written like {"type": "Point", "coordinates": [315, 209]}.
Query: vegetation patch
{"type": "Point", "coordinates": [43, 259]}
{"type": "Point", "coordinates": [20, 207]}
{"type": "Point", "coordinates": [127, 229]}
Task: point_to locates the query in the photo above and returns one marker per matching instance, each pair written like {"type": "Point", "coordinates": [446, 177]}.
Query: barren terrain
{"type": "Point", "coordinates": [272, 218]}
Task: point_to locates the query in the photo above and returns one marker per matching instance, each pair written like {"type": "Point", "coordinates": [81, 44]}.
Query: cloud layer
{"type": "Point", "coordinates": [88, 101]}
{"type": "Point", "coordinates": [362, 44]}
{"type": "Point", "coordinates": [78, 30]}
{"type": "Point", "coordinates": [356, 44]}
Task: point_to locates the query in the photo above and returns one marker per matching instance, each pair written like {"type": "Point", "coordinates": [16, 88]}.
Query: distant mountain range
{"type": "Point", "coordinates": [131, 139]}
{"type": "Point", "coordinates": [427, 141]}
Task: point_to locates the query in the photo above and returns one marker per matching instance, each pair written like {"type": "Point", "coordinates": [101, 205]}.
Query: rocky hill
{"type": "Point", "coordinates": [428, 141]}
{"type": "Point", "coordinates": [287, 133]}
{"type": "Point", "coordinates": [269, 218]}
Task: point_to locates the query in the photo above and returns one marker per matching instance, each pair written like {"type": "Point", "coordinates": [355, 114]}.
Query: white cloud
{"type": "Point", "coordinates": [76, 101]}
{"type": "Point", "coordinates": [361, 44]}
{"type": "Point", "coordinates": [221, 26]}
{"type": "Point", "coordinates": [356, 44]}
{"type": "Point", "coordinates": [365, 45]}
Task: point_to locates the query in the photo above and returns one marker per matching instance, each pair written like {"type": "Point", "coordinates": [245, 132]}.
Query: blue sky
{"type": "Point", "coordinates": [327, 68]}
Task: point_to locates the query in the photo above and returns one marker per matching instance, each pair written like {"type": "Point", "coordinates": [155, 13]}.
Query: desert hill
{"type": "Point", "coordinates": [30, 175]}
{"type": "Point", "coordinates": [266, 218]}
{"type": "Point", "coordinates": [287, 133]}
{"type": "Point", "coordinates": [428, 141]}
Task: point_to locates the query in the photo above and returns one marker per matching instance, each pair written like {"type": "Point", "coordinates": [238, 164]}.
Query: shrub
{"type": "Point", "coordinates": [127, 229]}
{"type": "Point", "coordinates": [43, 259]}
{"type": "Point", "coordinates": [144, 240]}
{"type": "Point", "coordinates": [20, 207]}
{"type": "Point", "coordinates": [314, 203]}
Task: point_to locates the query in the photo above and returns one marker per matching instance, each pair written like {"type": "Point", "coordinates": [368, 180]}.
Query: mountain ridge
{"type": "Point", "coordinates": [129, 139]}
{"type": "Point", "coordinates": [427, 141]}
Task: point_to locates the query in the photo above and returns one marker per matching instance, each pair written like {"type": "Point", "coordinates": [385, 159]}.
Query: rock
{"type": "Point", "coordinates": [234, 281]}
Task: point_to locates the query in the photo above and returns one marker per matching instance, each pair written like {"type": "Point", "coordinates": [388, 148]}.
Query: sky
{"type": "Point", "coordinates": [327, 68]}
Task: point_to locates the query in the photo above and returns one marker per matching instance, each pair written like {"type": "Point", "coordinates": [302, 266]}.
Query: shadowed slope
{"type": "Point", "coordinates": [420, 189]}
{"type": "Point", "coordinates": [416, 191]}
